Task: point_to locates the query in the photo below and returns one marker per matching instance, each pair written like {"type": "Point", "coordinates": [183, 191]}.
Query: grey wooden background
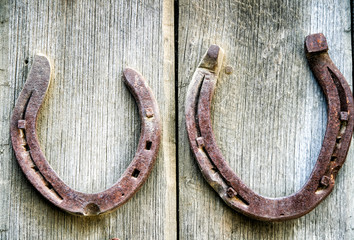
{"type": "Point", "coordinates": [269, 115]}
{"type": "Point", "coordinates": [89, 124]}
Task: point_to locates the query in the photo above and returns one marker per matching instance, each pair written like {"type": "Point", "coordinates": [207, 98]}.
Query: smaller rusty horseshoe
{"type": "Point", "coordinates": [222, 178]}
{"type": "Point", "coordinates": [37, 169]}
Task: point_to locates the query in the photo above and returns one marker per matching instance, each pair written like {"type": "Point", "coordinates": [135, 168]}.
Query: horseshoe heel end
{"type": "Point", "coordinates": [129, 74]}
{"type": "Point", "coordinates": [212, 60]}
{"type": "Point", "coordinates": [35, 87]}
{"type": "Point", "coordinates": [40, 74]}
{"type": "Point", "coordinates": [143, 95]}
{"type": "Point", "coordinates": [23, 120]}
{"type": "Point", "coordinates": [316, 43]}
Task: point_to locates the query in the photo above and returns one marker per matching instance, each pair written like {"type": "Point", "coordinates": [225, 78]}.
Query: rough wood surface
{"type": "Point", "coordinates": [269, 115]}
{"type": "Point", "coordinates": [89, 125]}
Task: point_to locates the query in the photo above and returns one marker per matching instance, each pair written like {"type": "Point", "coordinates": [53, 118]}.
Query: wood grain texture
{"type": "Point", "coordinates": [269, 115]}
{"type": "Point", "coordinates": [89, 124]}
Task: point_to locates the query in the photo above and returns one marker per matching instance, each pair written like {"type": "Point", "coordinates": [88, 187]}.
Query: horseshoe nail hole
{"type": "Point", "coordinates": [333, 158]}
{"type": "Point", "coordinates": [35, 168]}
{"type": "Point", "coordinates": [26, 147]}
{"type": "Point", "coordinates": [343, 127]}
{"type": "Point", "coordinates": [135, 173]}
{"type": "Point", "coordinates": [320, 190]}
{"type": "Point", "coordinates": [242, 200]}
{"type": "Point", "coordinates": [148, 145]}
{"type": "Point", "coordinates": [335, 172]}
{"type": "Point", "coordinates": [49, 185]}
{"type": "Point", "coordinates": [91, 209]}
{"type": "Point", "coordinates": [55, 193]}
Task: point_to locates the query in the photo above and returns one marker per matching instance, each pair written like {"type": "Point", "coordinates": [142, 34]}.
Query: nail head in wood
{"type": "Point", "coordinates": [344, 116]}
{"type": "Point", "coordinates": [21, 124]}
{"type": "Point", "coordinates": [231, 192]}
{"type": "Point", "coordinates": [149, 113]}
{"type": "Point", "coordinates": [200, 141]}
{"type": "Point", "coordinates": [325, 180]}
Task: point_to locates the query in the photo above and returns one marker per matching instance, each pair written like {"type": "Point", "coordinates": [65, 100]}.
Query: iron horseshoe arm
{"type": "Point", "coordinates": [222, 178]}
{"type": "Point", "coordinates": [37, 169]}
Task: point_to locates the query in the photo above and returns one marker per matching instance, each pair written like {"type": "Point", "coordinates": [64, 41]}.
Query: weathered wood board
{"type": "Point", "coordinates": [269, 116]}
{"type": "Point", "coordinates": [89, 124]}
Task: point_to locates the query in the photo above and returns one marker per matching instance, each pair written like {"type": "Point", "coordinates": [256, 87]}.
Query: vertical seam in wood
{"type": "Point", "coordinates": [169, 144]}
{"type": "Point", "coordinates": [176, 20]}
{"type": "Point", "coordinates": [352, 37]}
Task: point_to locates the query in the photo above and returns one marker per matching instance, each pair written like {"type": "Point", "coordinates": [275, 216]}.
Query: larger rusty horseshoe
{"type": "Point", "coordinates": [37, 169]}
{"type": "Point", "coordinates": [334, 149]}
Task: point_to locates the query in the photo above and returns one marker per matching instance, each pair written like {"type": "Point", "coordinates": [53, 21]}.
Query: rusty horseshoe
{"type": "Point", "coordinates": [222, 178]}
{"type": "Point", "coordinates": [37, 169]}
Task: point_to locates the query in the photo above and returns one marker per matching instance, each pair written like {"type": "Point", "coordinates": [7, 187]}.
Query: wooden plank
{"type": "Point", "coordinates": [89, 125]}
{"type": "Point", "coordinates": [269, 116]}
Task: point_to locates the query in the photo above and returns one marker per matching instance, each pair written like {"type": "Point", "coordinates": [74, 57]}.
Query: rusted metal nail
{"type": "Point", "coordinates": [21, 124]}
{"type": "Point", "coordinates": [200, 142]}
{"type": "Point", "coordinates": [333, 152]}
{"type": "Point", "coordinates": [231, 192]}
{"type": "Point", "coordinates": [149, 112]}
{"type": "Point", "coordinates": [228, 70]}
{"type": "Point", "coordinates": [344, 116]}
{"type": "Point", "coordinates": [316, 43]}
{"type": "Point", "coordinates": [37, 169]}
{"type": "Point", "coordinates": [325, 180]}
